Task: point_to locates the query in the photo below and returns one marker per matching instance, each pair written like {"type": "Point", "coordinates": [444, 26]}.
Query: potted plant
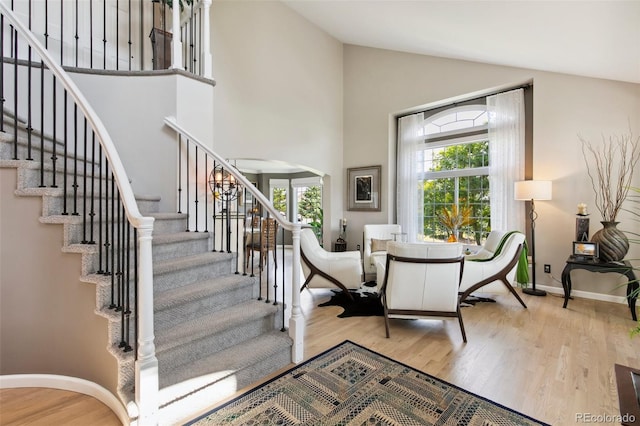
{"type": "Point", "coordinates": [453, 219]}
{"type": "Point", "coordinates": [634, 238]}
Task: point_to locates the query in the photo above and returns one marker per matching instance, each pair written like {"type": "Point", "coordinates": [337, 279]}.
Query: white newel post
{"type": "Point", "coordinates": [296, 322]}
{"type": "Point", "coordinates": [176, 43]}
{"type": "Point", "coordinates": [206, 59]}
{"type": "Point", "coordinates": [146, 369]}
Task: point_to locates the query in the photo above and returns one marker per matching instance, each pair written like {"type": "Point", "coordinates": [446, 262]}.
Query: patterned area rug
{"type": "Point", "coordinates": [351, 385]}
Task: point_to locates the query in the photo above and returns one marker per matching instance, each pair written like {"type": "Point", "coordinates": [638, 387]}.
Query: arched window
{"type": "Point", "coordinates": [465, 157]}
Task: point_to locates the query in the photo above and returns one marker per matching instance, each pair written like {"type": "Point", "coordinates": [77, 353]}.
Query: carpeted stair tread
{"type": "Point", "coordinates": [186, 262]}
{"type": "Point", "coordinates": [167, 215]}
{"type": "Point", "coordinates": [212, 323]}
{"type": "Point", "coordinates": [179, 236]}
{"type": "Point", "coordinates": [229, 362]}
{"type": "Point", "coordinates": [199, 290]}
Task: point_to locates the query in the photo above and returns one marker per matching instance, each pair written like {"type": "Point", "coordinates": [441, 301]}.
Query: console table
{"type": "Point", "coordinates": [623, 268]}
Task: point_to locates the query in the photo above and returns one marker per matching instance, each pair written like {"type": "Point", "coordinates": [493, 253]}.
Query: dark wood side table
{"type": "Point", "coordinates": [623, 268]}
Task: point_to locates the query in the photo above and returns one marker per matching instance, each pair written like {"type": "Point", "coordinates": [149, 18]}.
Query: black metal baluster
{"type": "Point", "coordinates": [92, 213]}
{"type": "Point", "coordinates": [84, 187]}
{"type": "Point", "coordinates": [2, 100]}
{"type": "Point", "coordinates": [185, 52]}
{"type": "Point", "coordinates": [29, 65]}
{"type": "Point", "coordinates": [46, 24]}
{"type": "Point", "coordinates": [129, 42]}
{"type": "Point", "coordinates": [127, 289]}
{"type": "Point", "coordinates": [104, 34]}
{"type": "Point", "coordinates": [275, 278]}
{"type": "Point", "coordinates": [42, 185]}
{"type": "Point", "coordinates": [117, 34]}
{"type": "Point", "coordinates": [117, 244]}
{"type": "Point", "coordinates": [275, 266]}
{"type": "Point", "coordinates": [61, 33]}
{"type": "Point", "coordinates": [239, 192]}
{"type": "Point", "coordinates": [179, 173]}
{"type": "Point", "coordinates": [245, 234]}
{"type": "Point", "coordinates": [253, 242]}
{"type": "Point", "coordinates": [121, 275]}
{"type": "Point", "coordinates": [187, 201]}
{"type": "Point", "coordinates": [213, 209]}
{"type": "Point", "coordinates": [77, 37]}
{"type": "Point", "coordinates": [54, 155]}
{"type": "Point", "coordinates": [264, 260]}
{"type": "Point", "coordinates": [206, 192]}
{"type": "Point", "coordinates": [191, 40]}
{"type": "Point", "coordinates": [195, 185]}
{"type": "Point", "coordinates": [135, 290]}
{"type": "Point", "coordinates": [101, 222]}
{"type": "Point", "coordinates": [75, 160]}
{"type": "Point", "coordinates": [107, 240]}
{"type": "Point", "coordinates": [284, 305]}
{"type": "Point", "coordinates": [42, 68]}
{"type": "Point", "coordinates": [91, 34]}
{"type": "Point", "coordinates": [198, 69]}
{"type": "Point", "coordinates": [141, 45]}
{"type": "Point", "coordinates": [65, 142]}
{"type": "Point", "coordinates": [15, 94]}
{"type": "Point", "coordinates": [263, 223]}
{"type": "Point", "coordinates": [114, 288]}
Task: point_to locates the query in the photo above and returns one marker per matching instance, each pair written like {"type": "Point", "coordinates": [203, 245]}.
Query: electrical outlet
{"type": "Point", "coordinates": [547, 269]}
{"type": "Point", "coordinates": [358, 247]}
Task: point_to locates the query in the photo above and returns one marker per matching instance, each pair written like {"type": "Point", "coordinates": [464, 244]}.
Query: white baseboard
{"type": "Point", "coordinates": [584, 294]}
{"type": "Point", "coordinates": [67, 383]}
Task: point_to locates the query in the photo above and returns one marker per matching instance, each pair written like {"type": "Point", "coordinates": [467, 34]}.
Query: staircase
{"type": "Point", "coordinates": [185, 329]}
{"type": "Point", "coordinates": [212, 335]}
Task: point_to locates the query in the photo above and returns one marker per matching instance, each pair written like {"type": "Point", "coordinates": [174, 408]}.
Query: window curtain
{"type": "Point", "coordinates": [410, 202]}
{"type": "Point", "coordinates": [506, 158]}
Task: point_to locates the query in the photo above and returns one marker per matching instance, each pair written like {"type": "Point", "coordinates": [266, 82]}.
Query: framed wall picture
{"type": "Point", "coordinates": [363, 189]}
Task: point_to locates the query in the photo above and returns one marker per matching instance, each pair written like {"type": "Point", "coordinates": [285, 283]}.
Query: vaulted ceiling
{"type": "Point", "coordinates": [588, 38]}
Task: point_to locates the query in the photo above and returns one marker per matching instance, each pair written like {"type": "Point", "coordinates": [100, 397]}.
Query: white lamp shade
{"type": "Point", "coordinates": [532, 190]}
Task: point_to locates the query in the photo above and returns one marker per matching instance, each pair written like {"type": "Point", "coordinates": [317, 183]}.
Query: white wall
{"type": "Point", "coordinates": [278, 93]}
{"type": "Point", "coordinates": [379, 84]}
{"type": "Point", "coordinates": [48, 323]}
{"type": "Point", "coordinates": [133, 109]}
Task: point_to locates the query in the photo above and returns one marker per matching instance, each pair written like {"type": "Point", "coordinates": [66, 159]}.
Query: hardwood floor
{"type": "Point", "coordinates": [545, 361]}
{"type": "Point", "coordinates": [551, 363]}
{"type": "Point", "coordinates": [47, 407]}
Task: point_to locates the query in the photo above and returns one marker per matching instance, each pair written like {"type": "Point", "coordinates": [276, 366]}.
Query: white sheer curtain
{"type": "Point", "coordinates": [410, 209]}
{"type": "Point", "coordinates": [506, 158]}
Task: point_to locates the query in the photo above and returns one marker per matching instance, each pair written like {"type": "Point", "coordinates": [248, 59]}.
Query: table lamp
{"type": "Point", "coordinates": [531, 190]}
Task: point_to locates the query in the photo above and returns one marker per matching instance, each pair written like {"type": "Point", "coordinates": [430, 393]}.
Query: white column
{"type": "Point", "coordinates": [296, 322]}
{"type": "Point", "coordinates": [176, 43]}
{"type": "Point", "coordinates": [206, 58]}
{"type": "Point", "coordinates": [146, 368]}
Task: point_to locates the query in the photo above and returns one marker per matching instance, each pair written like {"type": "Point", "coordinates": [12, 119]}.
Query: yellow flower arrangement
{"type": "Point", "coordinates": [454, 218]}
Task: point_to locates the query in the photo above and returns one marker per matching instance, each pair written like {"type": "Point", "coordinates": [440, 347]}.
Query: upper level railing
{"type": "Point", "coordinates": [121, 35]}
{"type": "Point", "coordinates": [52, 125]}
